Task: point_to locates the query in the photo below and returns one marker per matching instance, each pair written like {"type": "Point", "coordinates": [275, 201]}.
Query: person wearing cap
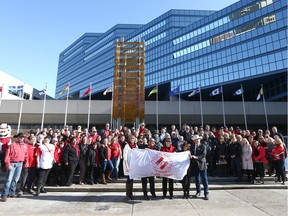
{"type": "Point", "coordinates": [142, 128]}
{"type": "Point", "coordinates": [167, 147]}
{"type": "Point", "coordinates": [16, 157]}
{"type": "Point", "coordinates": [199, 166]}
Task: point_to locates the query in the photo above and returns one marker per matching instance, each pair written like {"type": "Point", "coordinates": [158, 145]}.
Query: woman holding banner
{"type": "Point", "coordinates": [126, 160]}
{"type": "Point", "coordinates": [167, 148]}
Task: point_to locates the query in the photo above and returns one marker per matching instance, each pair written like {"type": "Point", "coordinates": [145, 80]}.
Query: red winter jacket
{"type": "Point", "coordinates": [262, 155]}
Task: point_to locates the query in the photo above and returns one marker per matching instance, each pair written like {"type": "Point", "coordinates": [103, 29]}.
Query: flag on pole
{"type": "Point", "coordinates": [65, 89]}
{"type": "Point", "coordinates": [194, 92]}
{"type": "Point", "coordinates": [147, 162]}
{"type": "Point", "coordinates": [260, 93]}
{"type": "Point", "coordinates": [239, 92]}
{"type": "Point", "coordinates": [15, 89]}
{"type": "Point", "coordinates": [216, 91]}
{"type": "Point", "coordinates": [1, 89]}
{"type": "Point", "coordinates": [12, 89]}
{"type": "Point", "coordinates": [42, 92]}
{"type": "Point", "coordinates": [87, 92]}
{"type": "Point", "coordinates": [108, 90]}
{"type": "Point", "coordinates": [174, 92]}
{"type": "Point", "coordinates": [153, 91]}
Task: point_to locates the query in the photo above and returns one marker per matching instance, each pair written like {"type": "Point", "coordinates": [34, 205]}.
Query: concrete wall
{"type": "Point", "coordinates": [168, 112]}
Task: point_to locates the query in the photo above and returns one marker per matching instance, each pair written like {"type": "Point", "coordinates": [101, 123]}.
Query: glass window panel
{"type": "Point", "coordinates": [279, 65]}
{"type": "Point", "coordinates": [272, 67]}
{"type": "Point", "coordinates": [259, 69]}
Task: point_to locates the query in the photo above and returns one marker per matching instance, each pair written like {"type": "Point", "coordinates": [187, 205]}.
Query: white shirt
{"type": "Point", "coordinates": [46, 157]}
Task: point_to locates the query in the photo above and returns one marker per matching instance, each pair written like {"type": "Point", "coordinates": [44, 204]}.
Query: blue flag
{"type": "Point", "coordinates": [216, 91]}
{"type": "Point", "coordinates": [174, 92]}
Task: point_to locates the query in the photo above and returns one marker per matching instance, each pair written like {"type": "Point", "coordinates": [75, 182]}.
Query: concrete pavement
{"type": "Point", "coordinates": [248, 202]}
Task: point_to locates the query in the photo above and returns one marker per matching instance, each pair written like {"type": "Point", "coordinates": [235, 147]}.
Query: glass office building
{"type": "Point", "coordinates": [242, 44]}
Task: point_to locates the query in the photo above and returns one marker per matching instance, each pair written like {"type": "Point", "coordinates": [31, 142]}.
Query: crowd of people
{"type": "Point", "coordinates": [53, 157]}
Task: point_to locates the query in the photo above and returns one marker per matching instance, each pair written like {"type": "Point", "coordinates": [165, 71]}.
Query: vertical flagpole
{"type": "Point", "coordinates": [21, 107]}
{"type": "Point", "coordinates": [89, 107]}
{"type": "Point", "coordinates": [244, 110]}
{"type": "Point", "coordinates": [66, 110]}
{"type": "Point", "coordinates": [44, 105]}
{"type": "Point", "coordinates": [264, 103]}
{"type": "Point", "coordinates": [179, 110]}
{"type": "Point", "coordinates": [224, 120]}
{"type": "Point", "coordinates": [201, 108]}
{"type": "Point", "coordinates": [157, 121]}
{"type": "Point", "coordinates": [1, 95]}
{"type": "Point", "coordinates": [111, 118]}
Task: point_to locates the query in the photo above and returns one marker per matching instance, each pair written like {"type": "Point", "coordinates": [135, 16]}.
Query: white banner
{"type": "Point", "coordinates": [147, 162]}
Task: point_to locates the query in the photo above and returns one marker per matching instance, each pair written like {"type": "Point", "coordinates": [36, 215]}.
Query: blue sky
{"type": "Point", "coordinates": [34, 32]}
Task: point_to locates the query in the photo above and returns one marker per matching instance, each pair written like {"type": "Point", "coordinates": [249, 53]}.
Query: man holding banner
{"type": "Point", "coordinates": [199, 166]}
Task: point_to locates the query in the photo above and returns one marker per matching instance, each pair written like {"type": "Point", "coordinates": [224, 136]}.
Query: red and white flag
{"type": "Point", "coordinates": [87, 92]}
{"type": "Point", "coordinates": [147, 162]}
{"type": "Point", "coordinates": [1, 89]}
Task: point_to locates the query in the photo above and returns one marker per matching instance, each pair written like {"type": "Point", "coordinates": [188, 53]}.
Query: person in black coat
{"type": "Point", "coordinates": [91, 164]}
{"type": "Point", "coordinates": [199, 164]}
{"type": "Point", "coordinates": [209, 141]}
{"type": "Point", "coordinates": [71, 157]}
{"type": "Point", "coordinates": [186, 180]}
{"type": "Point", "coordinates": [221, 156]}
{"type": "Point", "coordinates": [234, 152]}
{"type": "Point", "coordinates": [83, 149]}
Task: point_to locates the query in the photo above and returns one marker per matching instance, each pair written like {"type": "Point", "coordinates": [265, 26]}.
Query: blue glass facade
{"type": "Point", "coordinates": [245, 43]}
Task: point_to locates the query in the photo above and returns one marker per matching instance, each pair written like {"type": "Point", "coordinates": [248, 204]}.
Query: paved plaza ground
{"type": "Point", "coordinates": [237, 202]}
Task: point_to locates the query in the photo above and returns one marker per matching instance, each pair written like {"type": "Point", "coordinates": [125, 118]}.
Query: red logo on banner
{"type": "Point", "coordinates": [162, 164]}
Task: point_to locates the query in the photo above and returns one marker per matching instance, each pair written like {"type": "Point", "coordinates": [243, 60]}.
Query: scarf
{"type": "Point", "coordinates": [132, 145]}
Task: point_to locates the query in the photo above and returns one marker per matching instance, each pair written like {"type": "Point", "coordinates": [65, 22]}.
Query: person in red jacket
{"type": "Point", "coordinates": [15, 158]}
{"type": "Point", "coordinates": [32, 167]}
{"type": "Point", "coordinates": [56, 171]}
{"type": "Point", "coordinates": [259, 159]}
{"type": "Point", "coordinates": [278, 158]}
{"type": "Point", "coordinates": [167, 147]}
{"type": "Point", "coordinates": [116, 155]}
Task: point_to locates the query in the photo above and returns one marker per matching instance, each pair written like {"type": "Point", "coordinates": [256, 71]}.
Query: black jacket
{"type": "Point", "coordinates": [234, 149]}
{"type": "Point", "coordinates": [70, 154]}
{"type": "Point", "coordinates": [200, 152]}
{"type": "Point", "coordinates": [91, 157]}
{"type": "Point", "coordinates": [103, 153]}
{"type": "Point", "coordinates": [83, 148]}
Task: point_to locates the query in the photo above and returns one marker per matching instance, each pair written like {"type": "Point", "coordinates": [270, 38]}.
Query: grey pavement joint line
{"type": "Point", "coordinates": [189, 201]}
{"type": "Point", "coordinates": [133, 205]}
{"type": "Point", "coordinates": [84, 196]}
{"type": "Point", "coordinates": [251, 204]}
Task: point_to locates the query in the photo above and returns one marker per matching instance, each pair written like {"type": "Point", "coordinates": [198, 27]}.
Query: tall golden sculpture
{"type": "Point", "coordinates": [129, 89]}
